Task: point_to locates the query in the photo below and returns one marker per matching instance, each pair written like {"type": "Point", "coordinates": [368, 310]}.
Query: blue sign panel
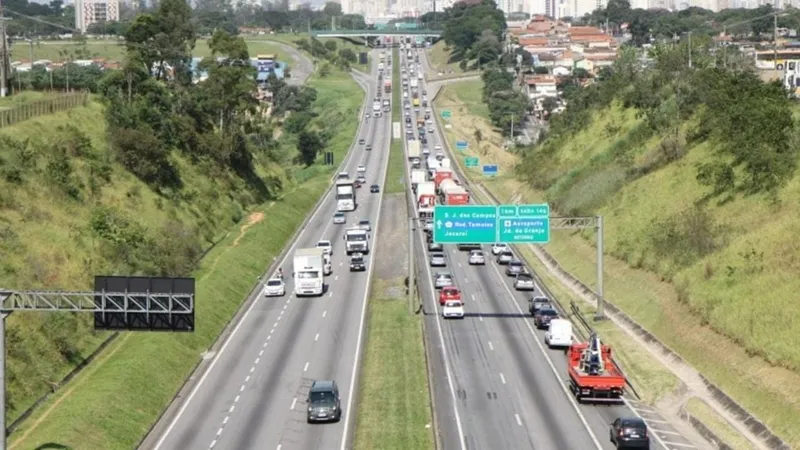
{"type": "Point", "coordinates": [461, 145]}
{"type": "Point", "coordinates": [490, 169]}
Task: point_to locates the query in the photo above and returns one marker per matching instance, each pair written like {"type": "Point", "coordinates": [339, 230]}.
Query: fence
{"type": "Point", "coordinates": [59, 102]}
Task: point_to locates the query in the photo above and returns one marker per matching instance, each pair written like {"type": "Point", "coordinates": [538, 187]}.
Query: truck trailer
{"type": "Point", "coordinates": [413, 149]}
{"type": "Point", "coordinates": [345, 195]}
{"type": "Point", "coordinates": [387, 86]}
{"type": "Point", "coordinates": [308, 271]}
{"type": "Point", "coordinates": [452, 194]}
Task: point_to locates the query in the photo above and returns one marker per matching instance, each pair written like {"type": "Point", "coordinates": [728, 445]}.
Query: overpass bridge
{"type": "Point", "coordinates": [374, 33]}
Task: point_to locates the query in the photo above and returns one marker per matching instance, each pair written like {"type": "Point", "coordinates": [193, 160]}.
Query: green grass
{"type": "Point", "coordinates": [394, 410]}
{"type": "Point", "coordinates": [396, 174]}
{"type": "Point", "coordinates": [25, 97]}
{"type": "Point", "coordinates": [693, 309]}
{"type": "Point", "coordinates": [438, 58]}
{"type": "Point", "coordinates": [111, 404]}
{"type": "Point", "coordinates": [112, 49]}
{"type": "Point", "coordinates": [702, 412]}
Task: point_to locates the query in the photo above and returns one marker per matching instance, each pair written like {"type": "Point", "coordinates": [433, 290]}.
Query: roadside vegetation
{"type": "Point", "coordinates": [144, 181]}
{"type": "Point", "coordinates": [694, 172]}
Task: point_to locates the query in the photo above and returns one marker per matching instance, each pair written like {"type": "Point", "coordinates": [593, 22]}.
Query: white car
{"type": "Point", "coordinates": [326, 246]}
{"type": "Point", "coordinates": [453, 308]}
{"type": "Point", "coordinates": [339, 218]}
{"type": "Point", "coordinates": [499, 248]}
{"type": "Point", "coordinates": [443, 279]}
{"type": "Point", "coordinates": [476, 258]}
{"type": "Point", "coordinates": [362, 168]}
{"type": "Point", "coordinates": [343, 176]}
{"type": "Point", "coordinates": [430, 129]}
{"type": "Point", "coordinates": [364, 225]}
{"type": "Point", "coordinates": [274, 287]}
{"type": "Point", "coordinates": [524, 282]}
{"type": "Point", "coordinates": [438, 148]}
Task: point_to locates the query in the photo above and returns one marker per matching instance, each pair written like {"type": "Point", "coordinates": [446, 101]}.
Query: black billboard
{"type": "Point", "coordinates": [362, 58]}
{"type": "Point", "coordinates": [152, 304]}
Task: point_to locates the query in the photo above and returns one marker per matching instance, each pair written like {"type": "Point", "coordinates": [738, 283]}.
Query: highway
{"type": "Point", "coordinates": [253, 393]}
{"type": "Point", "coordinates": [496, 385]}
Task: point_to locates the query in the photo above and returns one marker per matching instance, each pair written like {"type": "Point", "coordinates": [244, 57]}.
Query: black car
{"type": "Point", "coordinates": [629, 432]}
{"type": "Point", "coordinates": [537, 303]}
{"type": "Point", "coordinates": [361, 142]}
{"type": "Point", "coordinates": [543, 316]}
{"type": "Point", "coordinates": [434, 247]}
{"type": "Point", "coordinates": [357, 263]}
{"type": "Point", "coordinates": [368, 148]}
{"type": "Point", "coordinates": [323, 402]}
{"type": "Point", "coordinates": [468, 247]}
{"type": "Point", "coordinates": [374, 189]}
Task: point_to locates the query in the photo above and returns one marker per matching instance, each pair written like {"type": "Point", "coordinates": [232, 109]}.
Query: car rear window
{"type": "Point", "coordinates": [273, 283]}
{"type": "Point", "coordinates": [549, 312]}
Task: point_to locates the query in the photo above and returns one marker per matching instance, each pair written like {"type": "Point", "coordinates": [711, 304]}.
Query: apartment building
{"type": "Point", "coordinates": [88, 12]}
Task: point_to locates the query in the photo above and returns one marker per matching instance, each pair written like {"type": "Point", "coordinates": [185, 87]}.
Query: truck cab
{"type": "Point", "coordinates": [356, 241]}
{"type": "Point", "coordinates": [309, 271]}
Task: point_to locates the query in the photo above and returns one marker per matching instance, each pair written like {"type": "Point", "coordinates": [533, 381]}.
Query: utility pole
{"type": "Point", "coordinates": [30, 53]}
{"type": "Point", "coordinates": [600, 314]}
{"type": "Point", "coordinates": [3, 56]}
{"type": "Point", "coordinates": [412, 282]}
{"type": "Point", "coordinates": [690, 49]}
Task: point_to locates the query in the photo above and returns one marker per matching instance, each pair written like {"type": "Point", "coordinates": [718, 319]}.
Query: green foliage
{"type": "Point", "coordinates": [343, 59]}
{"type": "Point", "coordinates": [474, 31]}
{"type": "Point", "coordinates": [309, 144]}
{"type": "Point", "coordinates": [506, 105]}
{"type": "Point", "coordinates": [685, 237]}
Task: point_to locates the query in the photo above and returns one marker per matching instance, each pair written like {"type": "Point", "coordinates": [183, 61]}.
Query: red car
{"type": "Point", "coordinates": [449, 293]}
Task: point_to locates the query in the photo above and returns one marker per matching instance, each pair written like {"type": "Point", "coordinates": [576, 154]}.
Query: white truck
{"type": "Point", "coordinates": [376, 106]}
{"type": "Point", "coordinates": [345, 195]}
{"type": "Point", "coordinates": [417, 177]}
{"type": "Point", "coordinates": [413, 149]}
{"type": "Point", "coordinates": [356, 240]}
{"type": "Point", "coordinates": [308, 271]}
{"type": "Point", "coordinates": [414, 83]}
{"type": "Point", "coordinates": [380, 67]}
{"type": "Point", "coordinates": [445, 163]}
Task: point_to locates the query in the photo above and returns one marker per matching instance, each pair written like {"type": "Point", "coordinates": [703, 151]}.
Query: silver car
{"type": "Point", "coordinates": [339, 218]}
{"type": "Point", "coordinates": [524, 282]}
{"type": "Point", "coordinates": [476, 258]}
{"type": "Point", "coordinates": [505, 257]}
{"type": "Point", "coordinates": [499, 248]}
{"type": "Point", "coordinates": [437, 260]}
{"type": "Point", "coordinates": [515, 268]}
{"type": "Point", "coordinates": [443, 279]}
{"type": "Point", "coordinates": [364, 225]}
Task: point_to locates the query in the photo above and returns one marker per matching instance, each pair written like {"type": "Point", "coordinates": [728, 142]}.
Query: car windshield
{"type": "Point", "coordinates": [357, 260]}
{"type": "Point", "coordinates": [364, 222]}
{"type": "Point", "coordinates": [515, 263]}
{"type": "Point", "coordinates": [323, 244]}
{"type": "Point", "coordinates": [437, 256]}
{"type": "Point", "coordinates": [307, 275]}
{"type": "Point", "coordinates": [322, 397]}
{"type": "Point", "coordinates": [274, 283]}
{"type": "Point", "coordinates": [524, 278]}
{"type": "Point", "coordinates": [443, 276]}
{"type": "Point", "coordinates": [477, 253]}
{"type": "Point", "coordinates": [549, 312]}
{"type": "Point", "coordinates": [338, 215]}
{"type": "Point", "coordinates": [453, 304]}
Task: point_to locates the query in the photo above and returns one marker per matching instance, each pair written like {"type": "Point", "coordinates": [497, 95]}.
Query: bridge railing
{"type": "Point", "coordinates": [417, 32]}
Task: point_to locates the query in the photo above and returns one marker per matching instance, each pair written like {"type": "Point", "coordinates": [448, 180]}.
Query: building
{"type": "Point", "coordinates": [88, 12]}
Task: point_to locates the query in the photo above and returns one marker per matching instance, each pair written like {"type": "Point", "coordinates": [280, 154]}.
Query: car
{"type": "Point", "coordinates": [274, 287]}
{"type": "Point", "coordinates": [468, 247]}
{"type": "Point", "coordinates": [426, 151]}
{"type": "Point", "coordinates": [442, 280]}
{"type": "Point", "coordinates": [361, 168]}
{"type": "Point", "coordinates": [364, 225]}
{"type": "Point", "coordinates": [476, 258]}
{"type": "Point", "coordinates": [629, 432]}
{"type": "Point", "coordinates": [435, 247]}
{"type": "Point", "coordinates": [361, 179]}
{"type": "Point", "coordinates": [343, 176]}
{"type": "Point", "coordinates": [377, 114]}
{"type": "Point", "coordinates": [449, 293]}
{"type": "Point", "coordinates": [439, 155]}
{"type": "Point", "coordinates": [514, 268]}
{"type": "Point", "coordinates": [505, 257]}
{"type": "Point", "coordinates": [543, 316]}
{"type": "Point", "coordinates": [430, 129]}
{"type": "Point", "coordinates": [453, 309]}
{"type": "Point", "coordinates": [438, 260]}
{"type": "Point", "coordinates": [361, 142]}
{"type": "Point", "coordinates": [374, 189]}
{"type": "Point", "coordinates": [424, 92]}
{"type": "Point", "coordinates": [357, 183]}
{"type": "Point", "coordinates": [368, 148]}
{"type": "Point", "coordinates": [499, 248]}
{"type": "Point", "coordinates": [524, 282]}
{"type": "Point", "coordinates": [357, 263]}
{"type": "Point", "coordinates": [438, 148]}
{"type": "Point", "coordinates": [323, 402]}
{"type": "Point", "coordinates": [428, 226]}
{"type": "Point", "coordinates": [339, 218]}
{"type": "Point", "coordinates": [367, 116]}
{"type": "Point", "coordinates": [537, 303]}
{"type": "Point", "coordinates": [326, 246]}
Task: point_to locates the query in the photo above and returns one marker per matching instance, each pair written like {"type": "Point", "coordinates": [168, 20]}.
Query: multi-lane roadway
{"type": "Point", "coordinates": [496, 384]}
{"type": "Point", "coordinates": [252, 395]}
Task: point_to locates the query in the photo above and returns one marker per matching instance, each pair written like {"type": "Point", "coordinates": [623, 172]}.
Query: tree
{"type": "Point", "coordinates": [332, 9]}
{"type": "Point", "coordinates": [163, 41]}
{"type": "Point", "coordinates": [309, 144]}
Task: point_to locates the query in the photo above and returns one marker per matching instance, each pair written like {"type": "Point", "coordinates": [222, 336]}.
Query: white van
{"type": "Point", "coordinates": [559, 334]}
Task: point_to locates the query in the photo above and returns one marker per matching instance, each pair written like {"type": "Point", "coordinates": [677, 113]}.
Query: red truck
{"type": "Point", "coordinates": [441, 175]}
{"type": "Point", "coordinates": [387, 86]}
{"type": "Point", "coordinates": [452, 194]}
{"type": "Point", "coordinates": [593, 375]}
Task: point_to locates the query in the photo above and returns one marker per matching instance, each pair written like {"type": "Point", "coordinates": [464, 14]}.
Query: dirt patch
{"type": "Point", "coordinates": [252, 219]}
{"type": "Point", "coordinates": [391, 254]}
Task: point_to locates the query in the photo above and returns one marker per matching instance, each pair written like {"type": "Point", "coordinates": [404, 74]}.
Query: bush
{"type": "Point", "coordinates": [145, 156]}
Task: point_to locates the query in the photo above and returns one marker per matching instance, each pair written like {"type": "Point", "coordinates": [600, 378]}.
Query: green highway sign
{"type": "Point", "coordinates": [471, 161]}
{"type": "Point", "coordinates": [446, 114]}
{"type": "Point", "coordinates": [467, 224]}
{"type": "Point", "coordinates": [481, 224]}
{"type": "Point", "coordinates": [524, 224]}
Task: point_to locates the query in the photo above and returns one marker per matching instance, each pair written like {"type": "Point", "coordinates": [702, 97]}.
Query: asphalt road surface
{"type": "Point", "coordinates": [253, 394]}
{"type": "Point", "coordinates": [496, 385]}
{"type": "Point", "coordinates": [300, 67]}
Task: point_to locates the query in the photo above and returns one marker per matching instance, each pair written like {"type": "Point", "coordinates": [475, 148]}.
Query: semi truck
{"type": "Point", "coordinates": [356, 240]}
{"type": "Point", "coordinates": [441, 175]}
{"type": "Point", "coordinates": [387, 86]}
{"type": "Point", "coordinates": [426, 199]}
{"type": "Point", "coordinates": [308, 271]}
{"type": "Point", "coordinates": [345, 195]}
{"type": "Point", "coordinates": [413, 149]}
{"type": "Point", "coordinates": [452, 194]}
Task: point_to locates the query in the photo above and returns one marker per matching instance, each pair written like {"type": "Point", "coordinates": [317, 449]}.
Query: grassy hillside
{"type": "Point", "coordinates": [713, 277]}
{"type": "Point", "coordinates": [68, 211]}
